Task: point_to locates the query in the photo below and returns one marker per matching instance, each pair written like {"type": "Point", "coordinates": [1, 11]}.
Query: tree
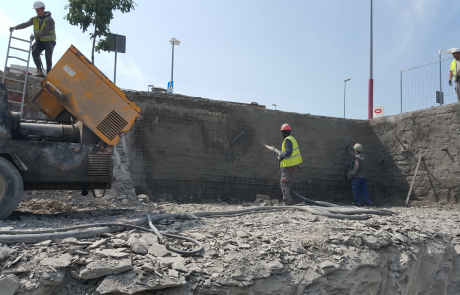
{"type": "Point", "coordinates": [98, 13]}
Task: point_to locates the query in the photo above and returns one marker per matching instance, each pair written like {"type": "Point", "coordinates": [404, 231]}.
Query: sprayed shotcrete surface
{"type": "Point", "coordinates": [190, 161]}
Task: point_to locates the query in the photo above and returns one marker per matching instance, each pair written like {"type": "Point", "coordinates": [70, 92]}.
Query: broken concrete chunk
{"type": "Point", "coordinates": [99, 243]}
{"type": "Point", "coordinates": [262, 197]}
{"type": "Point", "coordinates": [132, 284]}
{"type": "Point", "coordinates": [158, 250]}
{"type": "Point", "coordinates": [139, 247]}
{"type": "Point", "coordinates": [179, 266]}
{"type": "Point", "coordinates": [102, 268]}
{"type": "Point", "coordinates": [51, 277]}
{"type": "Point", "coordinates": [197, 236]}
{"type": "Point", "coordinates": [298, 247]}
{"type": "Point", "coordinates": [60, 262]}
{"type": "Point", "coordinates": [112, 253]}
{"type": "Point", "coordinates": [375, 243]}
{"type": "Point", "coordinates": [326, 264]}
{"type": "Point", "coordinates": [400, 237]}
{"type": "Point", "coordinates": [9, 285]}
{"type": "Point", "coordinates": [6, 253]}
{"type": "Point", "coordinates": [241, 234]}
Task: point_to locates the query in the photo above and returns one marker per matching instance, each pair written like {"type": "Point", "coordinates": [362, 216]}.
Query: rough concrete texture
{"type": "Point", "coordinates": [197, 151]}
{"type": "Point", "coordinates": [432, 134]}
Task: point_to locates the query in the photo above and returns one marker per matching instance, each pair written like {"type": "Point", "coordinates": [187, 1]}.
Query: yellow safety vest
{"type": "Point", "coordinates": [453, 69]}
{"type": "Point", "coordinates": [51, 35]}
{"type": "Point", "coordinates": [295, 158]}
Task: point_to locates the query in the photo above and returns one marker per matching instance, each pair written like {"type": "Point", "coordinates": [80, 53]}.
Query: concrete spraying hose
{"type": "Point", "coordinates": [87, 231]}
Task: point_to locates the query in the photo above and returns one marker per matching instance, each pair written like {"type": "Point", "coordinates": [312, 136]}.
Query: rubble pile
{"type": "Point", "coordinates": [286, 252]}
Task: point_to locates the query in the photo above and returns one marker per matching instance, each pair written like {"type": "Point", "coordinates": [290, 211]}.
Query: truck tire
{"type": "Point", "coordinates": [11, 188]}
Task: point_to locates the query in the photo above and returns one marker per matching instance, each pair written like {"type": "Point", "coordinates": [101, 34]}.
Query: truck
{"type": "Point", "coordinates": [86, 114]}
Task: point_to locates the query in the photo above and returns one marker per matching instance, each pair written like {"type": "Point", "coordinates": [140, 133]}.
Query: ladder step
{"type": "Point", "coordinates": [19, 49]}
{"type": "Point", "coordinates": [15, 90]}
{"type": "Point", "coordinates": [24, 60]}
{"type": "Point", "coordinates": [20, 39]}
{"type": "Point", "coordinates": [12, 101]}
{"type": "Point", "coordinates": [22, 81]}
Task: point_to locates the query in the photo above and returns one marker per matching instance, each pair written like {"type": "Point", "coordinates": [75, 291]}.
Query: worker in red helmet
{"type": "Point", "coordinates": [289, 158]}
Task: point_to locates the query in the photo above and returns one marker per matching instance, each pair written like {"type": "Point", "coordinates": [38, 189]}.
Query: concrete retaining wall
{"type": "Point", "coordinates": [191, 154]}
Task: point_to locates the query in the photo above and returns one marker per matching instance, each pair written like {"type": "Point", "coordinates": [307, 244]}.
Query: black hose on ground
{"type": "Point", "coordinates": [308, 201]}
{"type": "Point", "coordinates": [12, 237]}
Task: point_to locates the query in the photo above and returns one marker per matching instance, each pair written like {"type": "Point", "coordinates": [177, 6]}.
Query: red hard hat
{"type": "Point", "coordinates": [285, 127]}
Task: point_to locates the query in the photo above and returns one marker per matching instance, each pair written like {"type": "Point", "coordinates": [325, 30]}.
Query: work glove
{"type": "Point", "coordinates": [450, 82]}
{"type": "Point", "coordinates": [12, 29]}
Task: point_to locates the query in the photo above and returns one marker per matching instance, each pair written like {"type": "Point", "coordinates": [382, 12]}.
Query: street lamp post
{"type": "Point", "coordinates": [344, 88]}
{"type": "Point", "coordinates": [371, 80]}
{"type": "Point", "coordinates": [274, 106]}
{"type": "Point", "coordinates": [173, 42]}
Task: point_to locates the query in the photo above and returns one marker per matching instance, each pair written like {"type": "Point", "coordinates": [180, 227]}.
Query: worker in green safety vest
{"type": "Point", "coordinates": [45, 37]}
{"type": "Point", "coordinates": [289, 158]}
{"type": "Point", "coordinates": [453, 70]}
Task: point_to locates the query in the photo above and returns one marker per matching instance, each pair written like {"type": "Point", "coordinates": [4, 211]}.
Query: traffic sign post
{"type": "Point", "coordinates": [170, 87]}
{"type": "Point", "coordinates": [379, 111]}
{"type": "Point", "coordinates": [117, 44]}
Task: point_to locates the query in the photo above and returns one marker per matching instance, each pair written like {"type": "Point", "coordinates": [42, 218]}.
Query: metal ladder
{"type": "Point", "coordinates": [21, 59]}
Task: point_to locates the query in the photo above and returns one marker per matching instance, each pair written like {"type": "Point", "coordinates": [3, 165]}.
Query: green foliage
{"type": "Point", "coordinates": [97, 13]}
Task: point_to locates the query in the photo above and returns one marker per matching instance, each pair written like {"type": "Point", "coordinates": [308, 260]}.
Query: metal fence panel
{"type": "Point", "coordinates": [420, 84]}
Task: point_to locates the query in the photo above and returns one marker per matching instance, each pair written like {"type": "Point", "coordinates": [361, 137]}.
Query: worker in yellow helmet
{"type": "Point", "coordinates": [289, 158]}
{"type": "Point", "coordinates": [453, 70]}
{"type": "Point", "coordinates": [45, 36]}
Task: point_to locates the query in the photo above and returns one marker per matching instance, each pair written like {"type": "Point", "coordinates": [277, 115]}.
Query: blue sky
{"type": "Point", "coordinates": [295, 54]}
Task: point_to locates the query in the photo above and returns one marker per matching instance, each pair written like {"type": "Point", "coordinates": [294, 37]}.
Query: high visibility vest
{"type": "Point", "coordinates": [295, 157]}
{"type": "Point", "coordinates": [51, 35]}
{"type": "Point", "coordinates": [453, 69]}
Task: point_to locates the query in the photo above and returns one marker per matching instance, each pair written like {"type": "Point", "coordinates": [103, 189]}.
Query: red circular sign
{"type": "Point", "coordinates": [378, 111]}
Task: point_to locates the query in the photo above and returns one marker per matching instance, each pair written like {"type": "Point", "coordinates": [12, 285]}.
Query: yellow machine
{"type": "Point", "coordinates": [75, 88]}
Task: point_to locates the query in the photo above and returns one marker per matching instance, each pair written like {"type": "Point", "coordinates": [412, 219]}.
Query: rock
{"type": "Point", "coordinates": [197, 236]}
{"type": "Point", "coordinates": [158, 250]}
{"type": "Point", "coordinates": [179, 266]}
{"type": "Point", "coordinates": [265, 203]}
{"type": "Point", "coordinates": [99, 243]}
{"type": "Point", "coordinates": [149, 238]}
{"type": "Point", "coordinates": [326, 264]}
{"type": "Point", "coordinates": [21, 267]}
{"type": "Point", "coordinates": [112, 253]}
{"type": "Point", "coordinates": [374, 243]}
{"type": "Point", "coordinates": [298, 247]}
{"type": "Point", "coordinates": [275, 267]}
{"type": "Point", "coordinates": [355, 241]}
{"type": "Point", "coordinates": [262, 197]}
{"type": "Point", "coordinates": [140, 247]}
{"type": "Point", "coordinates": [60, 262]}
{"type": "Point", "coordinates": [103, 268]}
{"type": "Point", "coordinates": [70, 240]}
{"type": "Point", "coordinates": [173, 273]}
{"type": "Point", "coordinates": [9, 285]}
{"type": "Point", "coordinates": [242, 234]}
{"type": "Point", "coordinates": [275, 202]}
{"type": "Point", "coordinates": [167, 262]}
{"type": "Point", "coordinates": [312, 218]}
{"type": "Point", "coordinates": [51, 277]}
{"type": "Point", "coordinates": [123, 283]}
{"type": "Point", "coordinates": [144, 197]}
{"type": "Point", "coordinates": [400, 237]}
{"type": "Point", "coordinates": [6, 253]}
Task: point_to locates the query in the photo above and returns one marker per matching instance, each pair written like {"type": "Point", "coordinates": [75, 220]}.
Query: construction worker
{"type": "Point", "coordinates": [45, 37]}
{"type": "Point", "coordinates": [358, 177]}
{"type": "Point", "coordinates": [453, 70]}
{"type": "Point", "coordinates": [289, 158]}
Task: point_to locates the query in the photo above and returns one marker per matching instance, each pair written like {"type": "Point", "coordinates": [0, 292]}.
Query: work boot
{"type": "Point", "coordinates": [357, 205]}
{"type": "Point", "coordinates": [39, 74]}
